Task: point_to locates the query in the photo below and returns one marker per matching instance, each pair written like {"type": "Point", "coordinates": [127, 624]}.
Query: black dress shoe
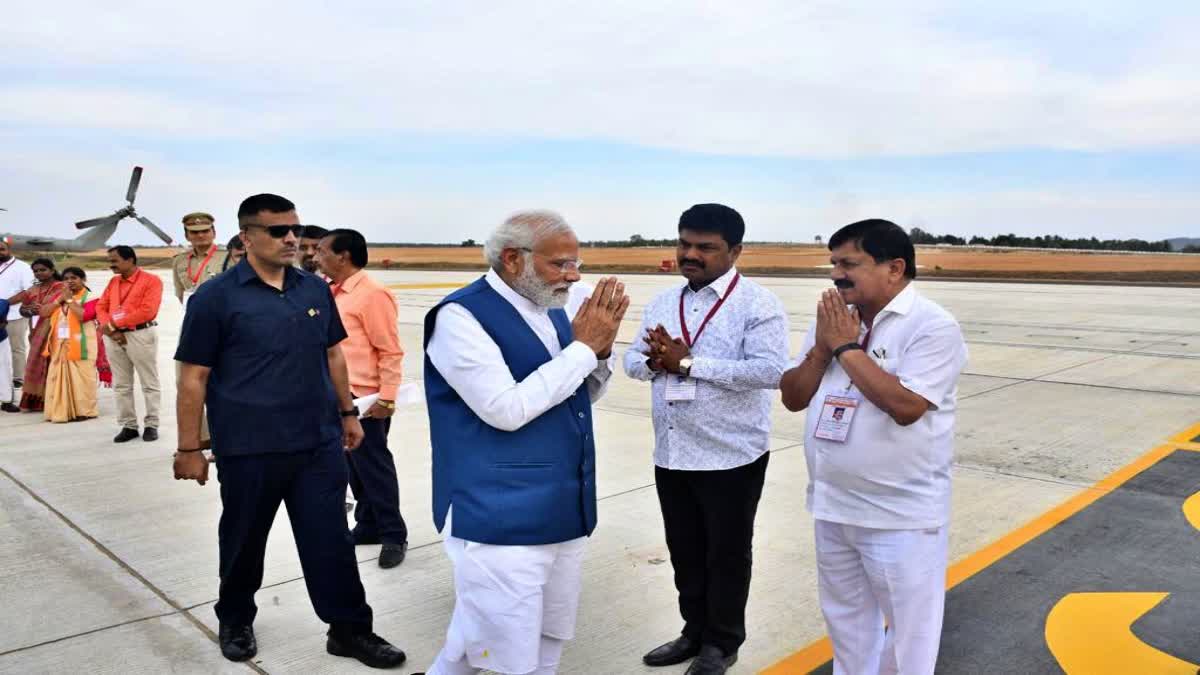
{"type": "Point", "coordinates": [711, 661]}
{"type": "Point", "coordinates": [238, 643]}
{"type": "Point", "coordinates": [9, 407]}
{"type": "Point", "coordinates": [677, 651]}
{"type": "Point", "coordinates": [368, 648]}
{"type": "Point", "coordinates": [392, 554]}
{"type": "Point", "coordinates": [126, 434]}
{"type": "Point", "coordinates": [150, 435]}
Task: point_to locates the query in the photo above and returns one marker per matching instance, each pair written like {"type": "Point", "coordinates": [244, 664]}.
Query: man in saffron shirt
{"type": "Point", "coordinates": [373, 356]}
{"type": "Point", "coordinates": [127, 312]}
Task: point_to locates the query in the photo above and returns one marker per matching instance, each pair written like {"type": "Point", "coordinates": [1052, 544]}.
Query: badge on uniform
{"type": "Point", "coordinates": [836, 416]}
{"type": "Point", "coordinates": [312, 312]}
{"type": "Point", "coordinates": [680, 388]}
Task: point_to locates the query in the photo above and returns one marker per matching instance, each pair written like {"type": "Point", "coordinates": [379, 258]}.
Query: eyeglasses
{"type": "Point", "coordinates": [563, 266]}
{"type": "Point", "coordinates": [280, 231]}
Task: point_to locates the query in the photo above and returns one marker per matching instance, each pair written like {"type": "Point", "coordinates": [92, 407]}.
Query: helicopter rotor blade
{"type": "Point", "coordinates": [154, 228]}
{"type": "Point", "coordinates": [98, 222]}
{"type": "Point", "coordinates": [134, 179]}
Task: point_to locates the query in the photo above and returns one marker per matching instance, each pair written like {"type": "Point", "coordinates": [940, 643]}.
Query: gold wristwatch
{"type": "Point", "coordinates": [390, 405]}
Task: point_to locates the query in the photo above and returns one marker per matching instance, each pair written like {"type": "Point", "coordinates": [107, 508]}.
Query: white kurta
{"type": "Point", "coordinates": [514, 605]}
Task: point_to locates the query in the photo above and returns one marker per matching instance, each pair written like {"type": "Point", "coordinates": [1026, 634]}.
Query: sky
{"type": "Point", "coordinates": [432, 121]}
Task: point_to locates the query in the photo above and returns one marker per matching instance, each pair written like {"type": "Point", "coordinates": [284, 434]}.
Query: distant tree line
{"type": "Point", "coordinates": [920, 236]}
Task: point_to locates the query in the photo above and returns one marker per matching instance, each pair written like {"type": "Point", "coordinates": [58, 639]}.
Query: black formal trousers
{"type": "Point", "coordinates": [709, 522]}
{"type": "Point", "coordinates": [312, 485]}
{"type": "Point", "coordinates": [376, 489]}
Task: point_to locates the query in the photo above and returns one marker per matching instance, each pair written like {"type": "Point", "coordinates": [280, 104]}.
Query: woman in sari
{"type": "Point", "coordinates": [49, 285]}
{"type": "Point", "coordinates": [73, 348]}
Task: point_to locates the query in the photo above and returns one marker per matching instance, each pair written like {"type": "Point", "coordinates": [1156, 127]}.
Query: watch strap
{"type": "Point", "coordinates": [849, 346]}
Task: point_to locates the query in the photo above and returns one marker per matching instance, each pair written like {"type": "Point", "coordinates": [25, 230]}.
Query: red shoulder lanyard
{"type": "Point", "coordinates": [687, 338]}
{"type": "Point", "coordinates": [211, 250]}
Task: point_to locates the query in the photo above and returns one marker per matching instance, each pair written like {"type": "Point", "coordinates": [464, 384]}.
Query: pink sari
{"type": "Point", "coordinates": [37, 366]}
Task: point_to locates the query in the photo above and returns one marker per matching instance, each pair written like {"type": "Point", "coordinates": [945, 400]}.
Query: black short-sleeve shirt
{"type": "Point", "coordinates": [269, 390]}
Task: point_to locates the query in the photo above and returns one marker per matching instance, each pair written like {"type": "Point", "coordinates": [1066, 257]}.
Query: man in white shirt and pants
{"type": "Point", "coordinates": [513, 363]}
{"type": "Point", "coordinates": [879, 382]}
{"type": "Point", "coordinates": [15, 276]}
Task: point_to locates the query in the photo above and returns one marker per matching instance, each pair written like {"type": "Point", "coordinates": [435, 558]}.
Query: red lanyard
{"type": "Point", "coordinates": [211, 250]}
{"type": "Point", "coordinates": [687, 338]}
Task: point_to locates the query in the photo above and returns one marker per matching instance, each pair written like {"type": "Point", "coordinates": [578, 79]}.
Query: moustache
{"type": "Point", "coordinates": [843, 284]}
{"type": "Point", "coordinates": [687, 261]}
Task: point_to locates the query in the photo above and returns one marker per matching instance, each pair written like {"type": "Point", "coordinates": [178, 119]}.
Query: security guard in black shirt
{"type": "Point", "coordinates": [259, 346]}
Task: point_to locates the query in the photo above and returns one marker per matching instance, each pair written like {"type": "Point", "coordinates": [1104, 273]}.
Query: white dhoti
{"type": "Point", "coordinates": [870, 577]}
{"type": "Point", "coordinates": [514, 607]}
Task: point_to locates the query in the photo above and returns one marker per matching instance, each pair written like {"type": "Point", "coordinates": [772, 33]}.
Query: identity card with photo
{"type": "Point", "coordinates": [836, 416]}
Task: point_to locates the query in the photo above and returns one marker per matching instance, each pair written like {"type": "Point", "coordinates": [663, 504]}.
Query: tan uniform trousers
{"type": "Point", "coordinates": [18, 337]}
{"type": "Point", "coordinates": [139, 354]}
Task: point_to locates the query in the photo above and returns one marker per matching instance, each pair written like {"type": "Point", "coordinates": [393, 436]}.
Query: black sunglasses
{"type": "Point", "coordinates": [281, 231]}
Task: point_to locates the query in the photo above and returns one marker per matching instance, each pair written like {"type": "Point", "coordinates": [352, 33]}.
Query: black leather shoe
{"type": "Point", "coordinates": [364, 538]}
{"type": "Point", "coordinates": [677, 651]}
{"type": "Point", "coordinates": [368, 648]}
{"type": "Point", "coordinates": [150, 435]}
{"type": "Point", "coordinates": [238, 643]}
{"type": "Point", "coordinates": [126, 434]}
{"type": "Point", "coordinates": [9, 407]}
{"type": "Point", "coordinates": [711, 661]}
{"type": "Point", "coordinates": [392, 554]}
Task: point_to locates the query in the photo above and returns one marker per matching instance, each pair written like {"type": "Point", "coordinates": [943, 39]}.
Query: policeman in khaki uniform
{"type": "Point", "coordinates": [193, 267]}
{"type": "Point", "coordinates": [200, 262]}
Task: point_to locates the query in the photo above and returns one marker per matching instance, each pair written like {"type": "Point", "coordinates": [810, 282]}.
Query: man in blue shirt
{"type": "Point", "coordinates": [6, 364]}
{"type": "Point", "coordinates": [259, 346]}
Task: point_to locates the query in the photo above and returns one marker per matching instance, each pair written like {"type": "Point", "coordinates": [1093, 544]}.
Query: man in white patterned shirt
{"type": "Point", "coordinates": [713, 348]}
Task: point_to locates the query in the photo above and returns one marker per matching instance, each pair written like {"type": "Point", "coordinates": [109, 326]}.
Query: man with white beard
{"type": "Point", "coordinates": [513, 362]}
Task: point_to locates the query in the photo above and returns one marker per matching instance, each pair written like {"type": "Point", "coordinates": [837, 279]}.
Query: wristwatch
{"type": "Point", "coordinates": [353, 412]}
{"type": "Point", "coordinates": [390, 405]}
{"type": "Point", "coordinates": [685, 366]}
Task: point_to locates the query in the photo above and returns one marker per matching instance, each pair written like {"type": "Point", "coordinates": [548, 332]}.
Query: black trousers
{"type": "Point", "coordinates": [312, 485]}
{"type": "Point", "coordinates": [709, 521]}
{"type": "Point", "coordinates": [373, 481]}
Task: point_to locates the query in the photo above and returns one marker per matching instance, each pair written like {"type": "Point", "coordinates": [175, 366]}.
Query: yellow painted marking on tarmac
{"type": "Point", "coordinates": [1187, 435]}
{"type": "Point", "coordinates": [422, 287]}
{"type": "Point", "coordinates": [1090, 633]}
{"type": "Point", "coordinates": [1191, 510]}
{"type": "Point", "coordinates": [819, 652]}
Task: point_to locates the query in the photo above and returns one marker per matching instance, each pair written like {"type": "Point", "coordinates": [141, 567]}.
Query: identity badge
{"type": "Point", "coordinates": [836, 416]}
{"type": "Point", "coordinates": [680, 388]}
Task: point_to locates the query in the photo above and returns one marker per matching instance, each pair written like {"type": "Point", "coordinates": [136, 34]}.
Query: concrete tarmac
{"type": "Point", "coordinates": [107, 564]}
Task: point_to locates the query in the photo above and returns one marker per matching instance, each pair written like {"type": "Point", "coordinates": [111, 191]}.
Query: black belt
{"type": "Point", "coordinates": [140, 326]}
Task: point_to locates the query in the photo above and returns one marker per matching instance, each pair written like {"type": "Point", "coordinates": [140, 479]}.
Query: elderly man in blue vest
{"type": "Point", "coordinates": [512, 364]}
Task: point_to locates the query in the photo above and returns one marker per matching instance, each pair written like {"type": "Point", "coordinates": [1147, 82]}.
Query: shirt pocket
{"type": "Point", "coordinates": [889, 364]}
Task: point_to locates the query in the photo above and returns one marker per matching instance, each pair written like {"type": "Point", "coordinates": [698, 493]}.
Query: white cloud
{"type": "Point", "coordinates": [763, 78]}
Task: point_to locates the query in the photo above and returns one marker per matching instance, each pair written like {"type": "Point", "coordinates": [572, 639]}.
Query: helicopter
{"type": "Point", "coordinates": [99, 230]}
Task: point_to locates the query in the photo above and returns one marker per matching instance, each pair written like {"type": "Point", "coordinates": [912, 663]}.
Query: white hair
{"type": "Point", "coordinates": [522, 230]}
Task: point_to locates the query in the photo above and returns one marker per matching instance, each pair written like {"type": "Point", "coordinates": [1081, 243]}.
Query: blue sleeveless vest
{"type": "Point", "coordinates": [535, 485]}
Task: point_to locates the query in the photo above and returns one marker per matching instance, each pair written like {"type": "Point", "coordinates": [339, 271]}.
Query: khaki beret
{"type": "Point", "coordinates": [198, 221]}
